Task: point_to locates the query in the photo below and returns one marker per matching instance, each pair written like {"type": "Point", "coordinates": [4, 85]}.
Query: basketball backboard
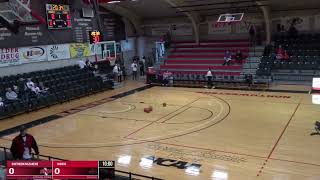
{"type": "Point", "coordinates": [18, 11]}
{"type": "Point", "coordinates": [233, 17]}
{"type": "Point", "coordinates": [105, 50]}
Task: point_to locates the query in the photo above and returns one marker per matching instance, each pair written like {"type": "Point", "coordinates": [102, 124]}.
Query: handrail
{"type": "Point", "coordinates": [130, 174]}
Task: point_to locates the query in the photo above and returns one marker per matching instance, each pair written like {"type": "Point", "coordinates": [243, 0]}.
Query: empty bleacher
{"type": "Point", "coordinates": [304, 61]}
{"type": "Point", "coordinates": [187, 58]}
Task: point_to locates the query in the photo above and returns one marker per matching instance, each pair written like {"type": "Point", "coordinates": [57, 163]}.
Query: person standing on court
{"type": "Point", "coordinates": [22, 144]}
{"type": "Point", "coordinates": [142, 68]}
{"type": "Point", "coordinates": [209, 77]}
{"type": "Point", "coordinates": [116, 72]}
{"type": "Point", "coordinates": [134, 67]}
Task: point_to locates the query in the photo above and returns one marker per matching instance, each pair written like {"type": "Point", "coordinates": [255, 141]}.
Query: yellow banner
{"type": "Point", "coordinates": [79, 50]}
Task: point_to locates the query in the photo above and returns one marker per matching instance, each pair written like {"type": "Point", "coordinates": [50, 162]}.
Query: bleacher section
{"type": "Point", "coordinates": [188, 59]}
{"type": "Point", "coordinates": [64, 84]}
{"type": "Point", "coordinates": [304, 61]}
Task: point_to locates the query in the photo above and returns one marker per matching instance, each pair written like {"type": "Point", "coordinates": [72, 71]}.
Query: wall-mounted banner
{"type": "Point", "coordinates": [58, 52]}
{"type": "Point", "coordinates": [218, 28]}
{"type": "Point", "coordinates": [79, 50]}
{"type": "Point", "coordinates": [33, 54]}
{"type": "Point", "coordinates": [9, 56]}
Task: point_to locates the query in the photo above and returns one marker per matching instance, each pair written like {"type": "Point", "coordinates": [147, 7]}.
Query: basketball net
{"type": "Point", "coordinates": [22, 9]}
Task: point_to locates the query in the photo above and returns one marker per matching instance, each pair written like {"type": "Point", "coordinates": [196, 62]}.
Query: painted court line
{"type": "Point", "coordinates": [161, 118]}
{"type": "Point", "coordinates": [278, 140]}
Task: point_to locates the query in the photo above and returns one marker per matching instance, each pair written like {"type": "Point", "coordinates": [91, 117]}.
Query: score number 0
{"type": "Point", "coordinates": [56, 171]}
{"type": "Point", "coordinates": [11, 171]}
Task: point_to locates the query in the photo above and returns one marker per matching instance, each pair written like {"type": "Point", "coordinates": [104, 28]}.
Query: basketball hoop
{"type": "Point", "coordinates": [19, 10]}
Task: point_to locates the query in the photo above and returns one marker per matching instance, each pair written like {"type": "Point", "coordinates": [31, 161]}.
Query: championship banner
{"type": "Point", "coordinates": [58, 52]}
{"type": "Point", "coordinates": [218, 28]}
{"type": "Point", "coordinates": [9, 56]}
{"type": "Point", "coordinates": [33, 54]}
{"type": "Point", "coordinates": [79, 50]}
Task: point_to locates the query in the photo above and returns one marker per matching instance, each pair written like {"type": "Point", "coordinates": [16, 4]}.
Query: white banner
{"type": "Point", "coordinates": [33, 54]}
{"type": "Point", "coordinates": [9, 56]}
{"type": "Point", "coordinates": [218, 28]}
{"type": "Point", "coordinates": [302, 23]}
{"type": "Point", "coordinates": [58, 52]}
{"type": "Point", "coordinates": [182, 30]}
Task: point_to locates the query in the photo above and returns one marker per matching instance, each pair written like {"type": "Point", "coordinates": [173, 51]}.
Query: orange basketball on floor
{"type": "Point", "coordinates": [164, 104]}
{"type": "Point", "coordinates": [146, 110]}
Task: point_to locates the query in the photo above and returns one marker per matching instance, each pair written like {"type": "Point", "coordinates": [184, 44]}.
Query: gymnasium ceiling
{"type": "Point", "coordinates": [149, 9]}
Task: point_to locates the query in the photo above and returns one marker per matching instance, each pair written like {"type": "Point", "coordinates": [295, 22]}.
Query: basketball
{"type": "Point", "coordinates": [146, 110]}
{"type": "Point", "coordinates": [164, 104]}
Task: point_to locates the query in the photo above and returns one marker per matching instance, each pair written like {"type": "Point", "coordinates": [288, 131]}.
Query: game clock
{"type": "Point", "coordinates": [60, 170]}
{"type": "Point", "coordinates": [58, 16]}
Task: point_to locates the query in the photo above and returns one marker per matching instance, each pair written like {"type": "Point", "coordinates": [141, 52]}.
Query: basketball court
{"type": "Point", "coordinates": [199, 134]}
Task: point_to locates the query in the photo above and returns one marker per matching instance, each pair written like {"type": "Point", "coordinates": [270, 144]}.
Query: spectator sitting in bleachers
{"type": "Point", "coordinates": [285, 56]}
{"type": "Point", "coordinates": [35, 89]}
{"type": "Point", "coordinates": [239, 57]}
{"type": "Point", "coordinates": [166, 77]}
{"type": "Point", "coordinates": [43, 89]}
{"type": "Point", "coordinates": [280, 53]}
{"type": "Point", "coordinates": [30, 84]}
{"type": "Point", "coordinates": [82, 64]}
{"type": "Point", "coordinates": [1, 102]}
{"type": "Point", "coordinates": [11, 95]}
{"type": "Point", "coordinates": [227, 58]}
{"type": "Point", "coordinates": [89, 65]}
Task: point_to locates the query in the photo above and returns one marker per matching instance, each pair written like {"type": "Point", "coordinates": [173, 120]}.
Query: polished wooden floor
{"type": "Point", "coordinates": [200, 134]}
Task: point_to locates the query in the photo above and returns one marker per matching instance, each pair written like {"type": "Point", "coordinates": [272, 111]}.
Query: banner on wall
{"type": "Point", "coordinates": [218, 28]}
{"type": "Point", "coordinates": [9, 56]}
{"type": "Point", "coordinates": [182, 30]}
{"type": "Point", "coordinates": [79, 50]}
{"type": "Point", "coordinates": [33, 54]}
{"type": "Point", "coordinates": [58, 52]}
{"type": "Point", "coordinates": [302, 23]}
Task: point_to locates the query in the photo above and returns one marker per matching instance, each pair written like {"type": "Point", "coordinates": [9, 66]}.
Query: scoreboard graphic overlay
{"type": "Point", "coordinates": [60, 170]}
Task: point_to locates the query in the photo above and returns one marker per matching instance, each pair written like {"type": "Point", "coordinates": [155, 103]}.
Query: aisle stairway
{"type": "Point", "coordinates": [189, 58]}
